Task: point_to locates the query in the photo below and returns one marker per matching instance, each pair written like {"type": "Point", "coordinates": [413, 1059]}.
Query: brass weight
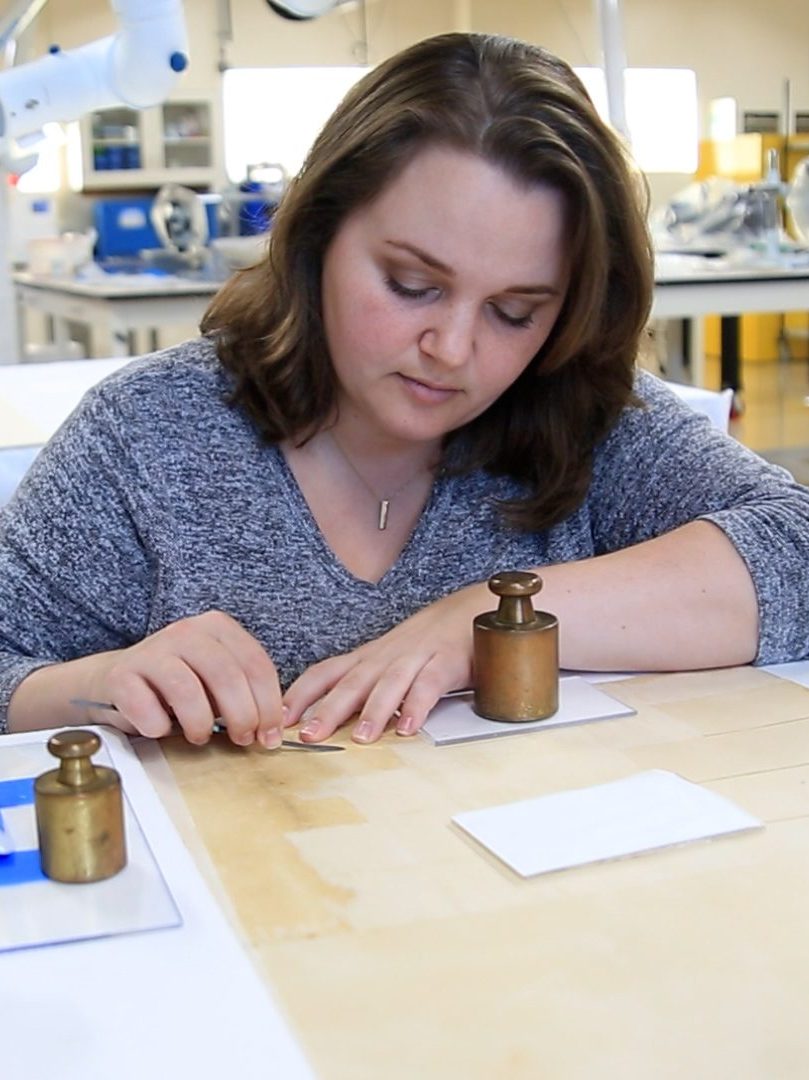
{"type": "Point", "coordinates": [516, 653]}
{"type": "Point", "coordinates": [79, 810]}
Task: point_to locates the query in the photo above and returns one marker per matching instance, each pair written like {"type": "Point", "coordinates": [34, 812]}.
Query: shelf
{"type": "Point", "coordinates": [131, 179]}
{"type": "Point", "coordinates": [146, 148]}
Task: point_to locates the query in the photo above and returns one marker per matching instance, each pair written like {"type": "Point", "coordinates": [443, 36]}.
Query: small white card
{"type": "Point", "coordinates": [650, 810]}
{"type": "Point", "coordinates": [453, 720]}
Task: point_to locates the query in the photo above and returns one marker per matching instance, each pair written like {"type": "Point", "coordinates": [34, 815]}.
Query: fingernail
{"type": "Point", "coordinates": [363, 731]}
{"type": "Point", "coordinates": [285, 716]}
{"type": "Point", "coordinates": [406, 726]}
{"type": "Point", "coordinates": [244, 738]}
{"type": "Point", "coordinates": [270, 739]}
{"type": "Point", "coordinates": [311, 727]}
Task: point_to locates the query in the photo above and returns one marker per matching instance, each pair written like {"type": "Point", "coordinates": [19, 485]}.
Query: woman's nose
{"type": "Point", "coordinates": [450, 336]}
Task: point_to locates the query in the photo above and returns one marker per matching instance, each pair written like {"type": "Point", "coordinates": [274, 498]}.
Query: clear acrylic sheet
{"type": "Point", "coordinates": [44, 912]}
{"type": "Point", "coordinates": [453, 720]}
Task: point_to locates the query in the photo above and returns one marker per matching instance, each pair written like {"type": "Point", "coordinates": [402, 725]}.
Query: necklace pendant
{"type": "Point", "coordinates": [384, 506]}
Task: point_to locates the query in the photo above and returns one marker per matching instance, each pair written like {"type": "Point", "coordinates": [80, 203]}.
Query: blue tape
{"type": "Point", "coordinates": [20, 867]}
{"type": "Point", "coordinates": [16, 792]}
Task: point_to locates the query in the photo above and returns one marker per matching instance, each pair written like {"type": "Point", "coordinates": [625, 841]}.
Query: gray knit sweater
{"type": "Point", "coordinates": [156, 500]}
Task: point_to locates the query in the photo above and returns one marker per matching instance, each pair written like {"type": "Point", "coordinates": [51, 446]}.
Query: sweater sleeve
{"type": "Point", "coordinates": [75, 572]}
{"type": "Point", "coordinates": [665, 465]}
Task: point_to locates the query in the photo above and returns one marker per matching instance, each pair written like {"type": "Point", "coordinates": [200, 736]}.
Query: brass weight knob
{"type": "Point", "coordinates": [515, 589]}
{"type": "Point", "coordinates": [79, 810]}
{"type": "Point", "coordinates": [516, 653]}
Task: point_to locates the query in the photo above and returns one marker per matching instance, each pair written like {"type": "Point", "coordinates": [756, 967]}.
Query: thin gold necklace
{"type": "Point", "coordinates": [383, 501]}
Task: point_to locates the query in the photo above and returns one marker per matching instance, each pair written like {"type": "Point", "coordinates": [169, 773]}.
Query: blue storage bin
{"type": "Point", "coordinates": [125, 228]}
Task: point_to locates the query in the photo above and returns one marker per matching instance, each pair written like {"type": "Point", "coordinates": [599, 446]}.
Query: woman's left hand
{"type": "Point", "coordinates": [400, 675]}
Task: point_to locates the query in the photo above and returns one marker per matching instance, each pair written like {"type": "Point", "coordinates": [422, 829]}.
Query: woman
{"type": "Point", "coordinates": [430, 377]}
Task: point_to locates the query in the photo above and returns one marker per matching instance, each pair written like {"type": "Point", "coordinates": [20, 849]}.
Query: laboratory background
{"type": "Point", "coordinates": [130, 219]}
{"type": "Point", "coordinates": [616, 891]}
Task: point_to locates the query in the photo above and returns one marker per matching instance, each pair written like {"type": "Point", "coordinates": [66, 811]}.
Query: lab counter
{"type": "Point", "coordinates": [690, 287]}
{"type": "Point", "coordinates": [397, 947]}
{"type": "Point", "coordinates": [114, 306]}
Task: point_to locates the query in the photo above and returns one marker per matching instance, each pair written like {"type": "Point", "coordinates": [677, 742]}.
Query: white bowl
{"type": "Point", "coordinates": [240, 251]}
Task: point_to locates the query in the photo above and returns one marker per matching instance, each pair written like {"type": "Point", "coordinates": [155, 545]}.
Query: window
{"type": "Point", "coordinates": [661, 114]}
{"type": "Point", "coordinates": [273, 114]}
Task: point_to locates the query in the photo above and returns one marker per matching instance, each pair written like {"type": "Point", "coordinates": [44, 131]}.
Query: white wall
{"type": "Point", "coordinates": [745, 50]}
{"type": "Point", "coordinates": [262, 38]}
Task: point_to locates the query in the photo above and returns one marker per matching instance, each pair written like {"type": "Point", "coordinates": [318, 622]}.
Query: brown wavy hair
{"type": "Point", "coordinates": [518, 107]}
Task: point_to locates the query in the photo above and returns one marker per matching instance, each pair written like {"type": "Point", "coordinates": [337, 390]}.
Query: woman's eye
{"type": "Point", "coordinates": [406, 290]}
{"type": "Point", "coordinates": [513, 320]}
{"type": "Point", "coordinates": [419, 292]}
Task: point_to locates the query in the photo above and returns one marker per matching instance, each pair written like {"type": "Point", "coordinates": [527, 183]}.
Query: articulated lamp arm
{"type": "Point", "coordinates": [137, 66]}
{"type": "Point", "coordinates": [303, 9]}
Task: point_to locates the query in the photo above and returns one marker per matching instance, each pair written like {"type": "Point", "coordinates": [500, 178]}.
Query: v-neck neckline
{"type": "Point", "coordinates": [308, 522]}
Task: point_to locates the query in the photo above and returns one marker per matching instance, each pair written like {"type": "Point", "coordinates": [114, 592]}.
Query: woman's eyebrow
{"type": "Point", "coordinates": [424, 256]}
{"type": "Point", "coordinates": [436, 264]}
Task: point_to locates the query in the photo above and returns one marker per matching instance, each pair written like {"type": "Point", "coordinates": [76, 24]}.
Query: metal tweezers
{"type": "Point", "coordinates": [218, 728]}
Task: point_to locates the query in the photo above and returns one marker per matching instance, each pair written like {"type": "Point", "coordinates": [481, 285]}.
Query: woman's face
{"type": "Point", "coordinates": [439, 293]}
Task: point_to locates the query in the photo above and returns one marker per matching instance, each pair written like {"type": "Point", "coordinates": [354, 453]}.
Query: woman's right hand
{"type": "Point", "coordinates": [194, 671]}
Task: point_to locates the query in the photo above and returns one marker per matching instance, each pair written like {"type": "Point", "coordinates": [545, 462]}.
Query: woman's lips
{"type": "Point", "coordinates": [429, 393]}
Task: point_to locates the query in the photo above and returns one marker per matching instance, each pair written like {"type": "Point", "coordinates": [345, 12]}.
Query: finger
{"type": "Point", "coordinates": [424, 694]}
{"type": "Point", "coordinates": [175, 680]}
{"type": "Point", "coordinates": [339, 704]}
{"type": "Point", "coordinates": [369, 689]}
{"type": "Point", "coordinates": [199, 679]}
{"type": "Point", "coordinates": [383, 702]}
{"type": "Point", "coordinates": [309, 688]}
{"type": "Point", "coordinates": [260, 676]}
{"type": "Point", "coordinates": [138, 704]}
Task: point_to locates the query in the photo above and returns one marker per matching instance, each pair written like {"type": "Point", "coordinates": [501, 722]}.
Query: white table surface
{"type": "Point", "coordinates": [180, 1002]}
{"type": "Point", "coordinates": [35, 398]}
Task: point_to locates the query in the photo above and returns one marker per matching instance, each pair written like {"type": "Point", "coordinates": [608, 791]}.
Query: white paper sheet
{"type": "Point", "coordinates": [180, 1002]}
{"type": "Point", "coordinates": [649, 810]}
{"type": "Point", "coordinates": [453, 720]}
{"type": "Point", "coordinates": [797, 672]}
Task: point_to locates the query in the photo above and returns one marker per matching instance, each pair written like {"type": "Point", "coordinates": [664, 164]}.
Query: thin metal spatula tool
{"type": "Point", "coordinates": [218, 728]}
